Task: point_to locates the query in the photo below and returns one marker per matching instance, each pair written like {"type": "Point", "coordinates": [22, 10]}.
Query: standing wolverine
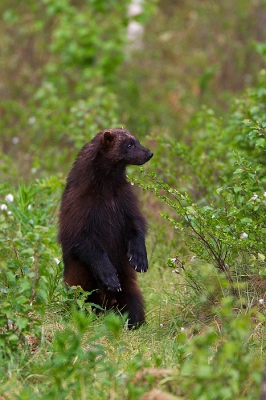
{"type": "Point", "coordinates": [101, 228]}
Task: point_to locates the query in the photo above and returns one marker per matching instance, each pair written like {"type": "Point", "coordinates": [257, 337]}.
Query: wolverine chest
{"type": "Point", "coordinates": [107, 217]}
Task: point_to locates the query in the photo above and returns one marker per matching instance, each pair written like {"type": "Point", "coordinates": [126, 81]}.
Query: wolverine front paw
{"type": "Point", "coordinates": [137, 255]}
{"type": "Point", "coordinates": [112, 284]}
{"type": "Point", "coordinates": [138, 261]}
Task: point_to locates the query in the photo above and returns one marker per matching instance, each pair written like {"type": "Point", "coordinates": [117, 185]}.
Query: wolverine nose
{"type": "Point", "coordinates": [150, 155]}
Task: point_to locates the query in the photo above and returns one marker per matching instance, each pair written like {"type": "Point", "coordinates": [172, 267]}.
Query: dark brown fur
{"type": "Point", "coordinates": [101, 228]}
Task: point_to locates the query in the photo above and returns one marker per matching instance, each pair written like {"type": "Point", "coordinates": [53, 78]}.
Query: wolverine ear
{"type": "Point", "coordinates": [107, 138]}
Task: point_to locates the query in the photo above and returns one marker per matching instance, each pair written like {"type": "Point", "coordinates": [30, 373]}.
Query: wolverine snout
{"type": "Point", "coordinates": [150, 154]}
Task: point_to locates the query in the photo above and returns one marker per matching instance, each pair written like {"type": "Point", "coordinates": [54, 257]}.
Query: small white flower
{"type": "Point", "coordinates": [264, 195]}
{"type": "Point", "coordinates": [243, 235]}
{"type": "Point", "coordinates": [134, 31]}
{"type": "Point", "coordinates": [57, 260]}
{"type": "Point", "coordinates": [3, 207]}
{"type": "Point", "coordinates": [31, 120]}
{"type": "Point", "coordinates": [15, 140]}
{"type": "Point", "coordinates": [9, 198]}
{"type": "Point", "coordinates": [134, 9]}
{"type": "Point", "coordinates": [182, 329]}
{"type": "Point", "coordinates": [254, 197]}
{"type": "Point", "coordinates": [32, 258]}
{"type": "Point", "coordinates": [161, 325]}
{"type": "Point", "coordinates": [29, 207]}
{"type": "Point", "coordinates": [193, 258]}
{"type": "Point", "coordinates": [261, 301]}
{"type": "Point", "coordinates": [9, 213]}
{"type": "Point", "coordinates": [173, 259]}
{"type": "Point", "coordinates": [33, 170]}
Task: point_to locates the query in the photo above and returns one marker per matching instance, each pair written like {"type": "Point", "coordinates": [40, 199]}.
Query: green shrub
{"type": "Point", "coordinates": [69, 95]}
{"type": "Point", "coordinates": [222, 361]}
{"type": "Point", "coordinates": [29, 260]}
{"type": "Point", "coordinates": [220, 206]}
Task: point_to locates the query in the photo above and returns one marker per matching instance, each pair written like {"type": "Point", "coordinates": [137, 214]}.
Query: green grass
{"type": "Point", "coordinates": [195, 333]}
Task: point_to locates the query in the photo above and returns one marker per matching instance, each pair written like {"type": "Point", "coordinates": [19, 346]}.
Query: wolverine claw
{"type": "Point", "coordinates": [113, 289]}
{"type": "Point", "coordinates": [130, 258]}
{"type": "Point", "coordinates": [136, 267]}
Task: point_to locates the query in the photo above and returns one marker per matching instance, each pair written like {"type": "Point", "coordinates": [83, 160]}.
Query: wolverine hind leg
{"type": "Point", "coordinates": [130, 301]}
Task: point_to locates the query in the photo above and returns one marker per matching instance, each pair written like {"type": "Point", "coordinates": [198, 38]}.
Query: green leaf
{"type": "Point", "coordinates": [22, 323]}
{"type": "Point", "coordinates": [13, 338]}
{"type": "Point", "coordinates": [261, 257]}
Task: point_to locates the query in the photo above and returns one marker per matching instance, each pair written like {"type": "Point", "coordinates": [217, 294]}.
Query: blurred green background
{"type": "Point", "coordinates": [67, 71]}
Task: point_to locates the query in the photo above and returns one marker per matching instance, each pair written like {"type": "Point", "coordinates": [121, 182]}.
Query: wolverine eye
{"type": "Point", "coordinates": [130, 145]}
